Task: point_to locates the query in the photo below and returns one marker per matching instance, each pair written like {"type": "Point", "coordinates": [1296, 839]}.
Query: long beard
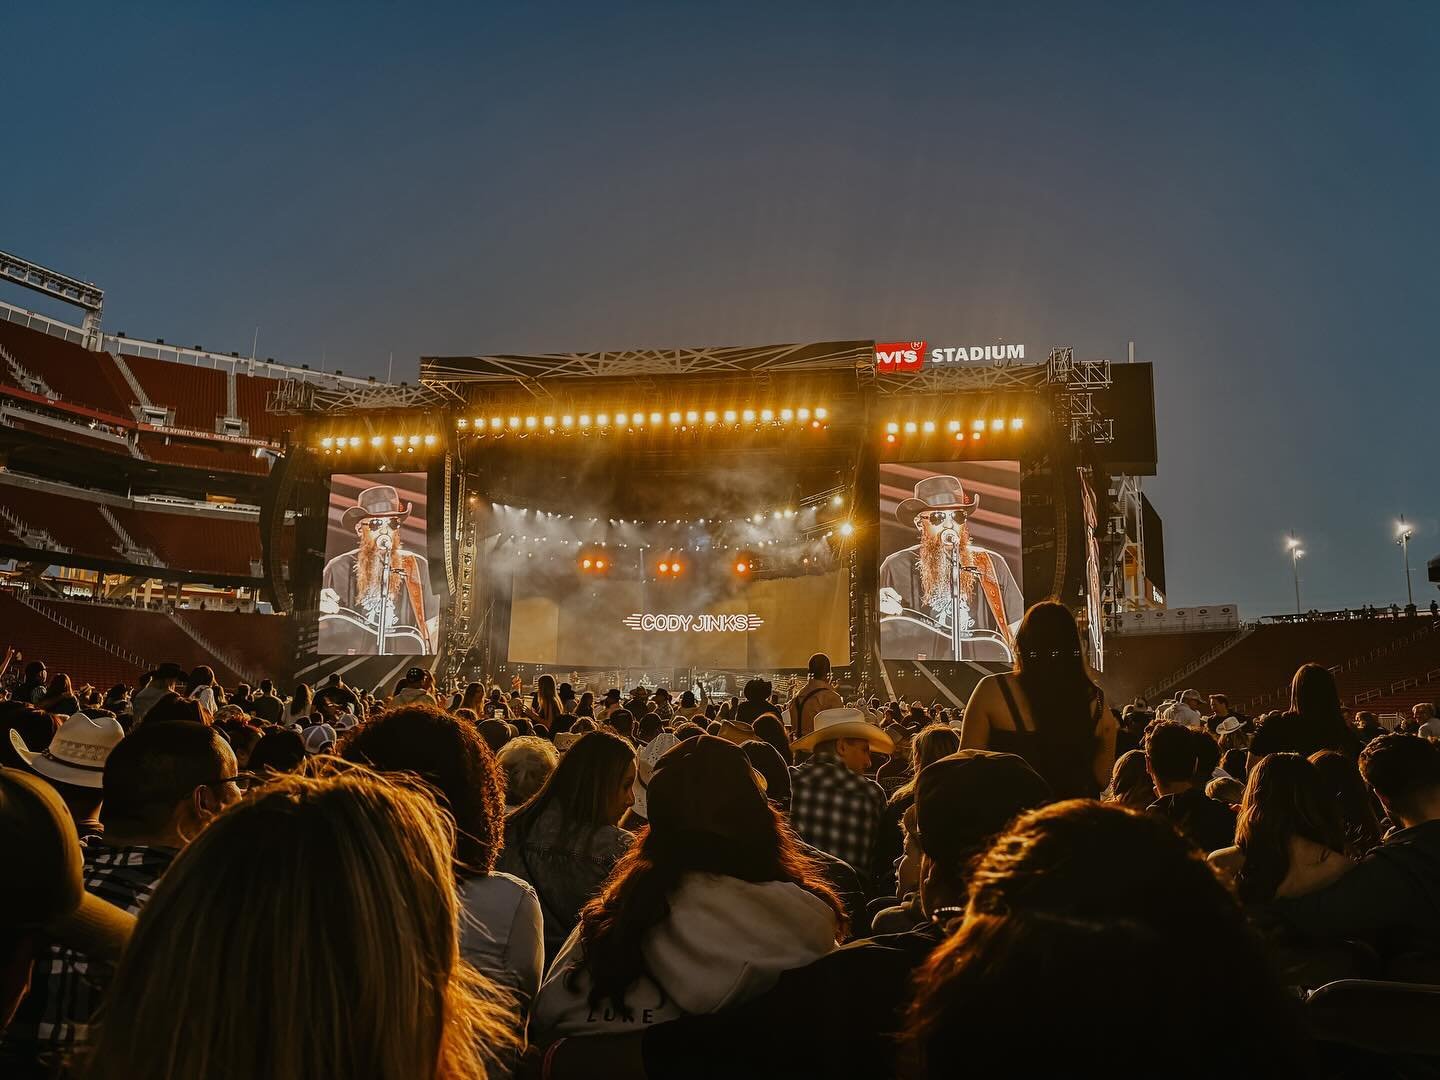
{"type": "Point", "coordinates": [370, 570]}
{"type": "Point", "coordinates": [935, 567]}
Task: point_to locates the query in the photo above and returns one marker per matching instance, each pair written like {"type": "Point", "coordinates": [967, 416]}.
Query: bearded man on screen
{"type": "Point", "coordinates": [354, 606]}
{"type": "Point", "coordinates": [917, 581]}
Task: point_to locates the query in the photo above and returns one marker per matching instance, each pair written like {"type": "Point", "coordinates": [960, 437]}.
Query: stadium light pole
{"type": "Point", "coordinates": [1403, 533]}
{"type": "Point", "coordinates": [1296, 554]}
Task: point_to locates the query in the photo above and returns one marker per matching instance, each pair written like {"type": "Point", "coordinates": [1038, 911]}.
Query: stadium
{"type": "Point", "coordinates": [152, 496]}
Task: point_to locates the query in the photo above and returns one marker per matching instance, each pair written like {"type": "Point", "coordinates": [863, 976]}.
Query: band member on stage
{"type": "Point", "coordinates": [351, 601]}
{"type": "Point", "coordinates": [918, 580]}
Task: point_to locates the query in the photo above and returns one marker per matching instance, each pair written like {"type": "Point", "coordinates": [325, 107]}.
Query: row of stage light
{"type": "Point", "coordinates": [670, 568]}
{"type": "Point", "coordinates": [608, 423]}
{"type": "Point", "coordinates": [679, 419]}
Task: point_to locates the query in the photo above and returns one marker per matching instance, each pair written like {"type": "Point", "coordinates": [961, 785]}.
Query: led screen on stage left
{"type": "Point", "coordinates": [375, 599]}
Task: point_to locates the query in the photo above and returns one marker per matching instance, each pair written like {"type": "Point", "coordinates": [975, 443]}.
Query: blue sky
{"type": "Point", "coordinates": [1247, 191]}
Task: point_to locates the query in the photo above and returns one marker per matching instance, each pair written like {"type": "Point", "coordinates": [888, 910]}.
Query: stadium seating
{"type": "Point", "coordinates": [251, 392]}
{"type": "Point", "coordinates": [1136, 662]}
{"type": "Point", "coordinates": [74, 523]}
{"type": "Point", "coordinates": [194, 542]}
{"type": "Point", "coordinates": [209, 456]}
{"type": "Point", "coordinates": [196, 394]}
{"type": "Point", "coordinates": [79, 376]}
{"type": "Point", "coordinates": [60, 648]}
{"type": "Point", "coordinates": [255, 641]}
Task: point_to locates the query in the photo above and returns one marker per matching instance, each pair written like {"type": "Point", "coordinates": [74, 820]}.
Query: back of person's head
{"type": "Point", "coordinates": [1207, 754]}
{"type": "Point", "coordinates": [766, 760]}
{"type": "Point", "coordinates": [449, 755]}
{"type": "Point", "coordinates": [707, 815]}
{"type": "Point", "coordinates": [1171, 753]}
{"type": "Point", "coordinates": [266, 686]}
{"type": "Point", "coordinates": [200, 676]}
{"type": "Point", "coordinates": [819, 666]}
{"type": "Point", "coordinates": [1050, 665]}
{"type": "Point", "coordinates": [769, 728]}
{"type": "Point", "coordinates": [545, 687]}
{"type": "Point", "coordinates": [1112, 905]}
{"type": "Point", "coordinates": [1316, 698]}
{"type": "Point", "coordinates": [930, 745]}
{"type": "Point", "coordinates": [368, 900]}
{"type": "Point", "coordinates": [1130, 783]}
{"type": "Point", "coordinates": [163, 777]}
{"type": "Point", "coordinates": [687, 700]}
{"type": "Point", "coordinates": [172, 708]}
{"type": "Point", "coordinates": [583, 787]}
{"type": "Point", "coordinates": [526, 762]}
{"type": "Point", "coordinates": [1285, 797]}
{"type": "Point", "coordinates": [688, 731]}
{"type": "Point", "coordinates": [1341, 776]}
{"type": "Point", "coordinates": [649, 726]}
{"type": "Point", "coordinates": [277, 752]}
{"type": "Point", "coordinates": [1404, 772]}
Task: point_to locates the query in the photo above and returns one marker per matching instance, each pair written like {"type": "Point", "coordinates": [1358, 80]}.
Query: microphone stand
{"type": "Point", "coordinates": [385, 545]}
{"type": "Point", "coordinates": [952, 546]}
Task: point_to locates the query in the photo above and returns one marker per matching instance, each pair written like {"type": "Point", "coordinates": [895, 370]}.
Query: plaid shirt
{"type": "Point", "coordinates": [54, 1019]}
{"type": "Point", "coordinates": [836, 811]}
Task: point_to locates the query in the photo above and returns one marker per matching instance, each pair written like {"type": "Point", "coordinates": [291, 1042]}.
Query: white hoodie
{"type": "Point", "coordinates": [726, 941]}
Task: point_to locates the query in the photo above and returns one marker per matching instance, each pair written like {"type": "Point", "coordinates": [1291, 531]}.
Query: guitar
{"type": "Point", "coordinates": [912, 635]}
{"type": "Point", "coordinates": [346, 633]}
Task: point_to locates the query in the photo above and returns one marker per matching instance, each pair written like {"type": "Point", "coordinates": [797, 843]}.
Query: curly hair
{"type": "Point", "coordinates": [449, 755]}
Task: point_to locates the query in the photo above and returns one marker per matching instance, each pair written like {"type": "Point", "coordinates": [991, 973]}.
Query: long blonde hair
{"type": "Point", "coordinates": [310, 930]}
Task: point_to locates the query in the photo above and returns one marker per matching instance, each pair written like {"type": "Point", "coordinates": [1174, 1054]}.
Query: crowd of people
{"type": "Point", "coordinates": [544, 881]}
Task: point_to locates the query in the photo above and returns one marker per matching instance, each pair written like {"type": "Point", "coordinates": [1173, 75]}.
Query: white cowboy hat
{"type": "Point", "coordinates": [1228, 726]}
{"type": "Point", "coordinates": [645, 768]}
{"type": "Point", "coordinates": [76, 754]}
{"type": "Point", "coordinates": [845, 723]}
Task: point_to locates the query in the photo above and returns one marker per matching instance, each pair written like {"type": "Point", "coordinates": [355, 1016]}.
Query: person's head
{"type": "Point", "coordinates": [277, 752]}
{"type": "Point", "coordinates": [58, 688]}
{"type": "Point", "coordinates": [266, 686]}
{"type": "Point", "coordinates": [1422, 712]}
{"type": "Point", "coordinates": [449, 755]}
{"type": "Point", "coordinates": [1226, 789]}
{"type": "Point", "coordinates": [648, 726]}
{"type": "Point", "coordinates": [1130, 783]}
{"type": "Point", "coordinates": [164, 782]}
{"type": "Point", "coordinates": [1219, 705]}
{"type": "Point", "coordinates": [769, 728]}
{"type": "Point", "coordinates": [1192, 699]}
{"type": "Point", "coordinates": [169, 676]}
{"type": "Point", "coordinates": [854, 754]}
{"type": "Point", "coordinates": [35, 673]}
{"type": "Point", "coordinates": [766, 761]}
{"type": "Point", "coordinates": [1404, 773]}
{"type": "Point", "coordinates": [526, 762]}
{"type": "Point", "coordinates": [589, 788]}
{"type": "Point", "coordinates": [368, 866]}
{"type": "Point", "coordinates": [495, 732]}
{"type": "Point", "coordinates": [473, 698]}
{"type": "Point", "coordinates": [1314, 695]}
{"type": "Point", "coordinates": [1207, 754]}
{"type": "Point", "coordinates": [930, 745]}
{"type": "Point", "coordinates": [758, 690]}
{"type": "Point", "coordinates": [1111, 905]}
{"type": "Point", "coordinates": [707, 815]}
{"type": "Point", "coordinates": [687, 700]}
{"type": "Point", "coordinates": [545, 688]}
{"type": "Point", "coordinates": [688, 731]}
{"type": "Point", "coordinates": [301, 700]}
{"type": "Point", "coordinates": [1285, 797]}
{"type": "Point", "coordinates": [172, 708]}
{"type": "Point", "coordinates": [819, 667]}
{"type": "Point", "coordinates": [586, 705]}
{"type": "Point", "coordinates": [1171, 756]}
{"type": "Point", "coordinates": [1050, 665]}
{"type": "Point", "coordinates": [199, 676]}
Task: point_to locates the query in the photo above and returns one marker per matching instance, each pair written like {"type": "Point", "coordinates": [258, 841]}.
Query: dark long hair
{"type": "Point", "coordinates": [1316, 698]}
{"type": "Point", "coordinates": [547, 702]}
{"type": "Point", "coordinates": [1285, 797]}
{"type": "Point", "coordinates": [932, 744]}
{"type": "Point", "coordinates": [582, 788]}
{"type": "Point", "coordinates": [1050, 667]}
{"type": "Point", "coordinates": [613, 924]}
{"type": "Point", "coordinates": [769, 728]}
{"type": "Point", "coordinates": [1353, 800]}
{"type": "Point", "coordinates": [448, 753]}
{"type": "Point", "coordinates": [1079, 905]}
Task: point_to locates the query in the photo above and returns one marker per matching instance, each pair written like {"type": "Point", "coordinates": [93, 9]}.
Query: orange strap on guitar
{"type": "Point", "coordinates": [417, 600]}
{"type": "Point", "coordinates": [991, 584]}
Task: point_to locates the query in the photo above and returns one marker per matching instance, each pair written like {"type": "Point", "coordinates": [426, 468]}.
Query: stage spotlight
{"type": "Point", "coordinates": [603, 420]}
{"type": "Point", "coordinates": [787, 415]}
{"type": "Point", "coordinates": [892, 428]}
{"type": "Point", "coordinates": [978, 425]}
{"type": "Point", "coordinates": [748, 416]}
{"type": "Point", "coordinates": [910, 427]}
{"type": "Point", "coordinates": [674, 418]}
{"type": "Point", "coordinates": [890, 438]}
{"type": "Point", "coordinates": [429, 440]}
{"type": "Point", "coordinates": [997, 425]}
{"type": "Point", "coordinates": [710, 416]}
{"type": "Point", "coordinates": [838, 500]}
{"type": "Point", "coordinates": [621, 419]}
{"type": "Point", "coordinates": [742, 566]}
{"type": "Point", "coordinates": [376, 440]}
{"type": "Point", "coordinates": [584, 420]}
{"type": "Point", "coordinates": [496, 423]}
{"type": "Point", "coordinates": [664, 568]}
{"type": "Point", "coordinates": [953, 425]}
{"type": "Point", "coordinates": [514, 421]}
{"type": "Point", "coordinates": [767, 415]}
{"type": "Point", "coordinates": [414, 440]}
{"type": "Point", "coordinates": [354, 440]}
{"type": "Point", "coordinates": [548, 422]}
{"type": "Point", "coordinates": [327, 442]}
{"type": "Point", "coordinates": [758, 518]}
{"type": "Point", "coordinates": [462, 423]}
{"type": "Point", "coordinates": [567, 421]}
{"type": "Point", "coordinates": [846, 529]}
{"type": "Point", "coordinates": [1017, 423]}
{"type": "Point", "coordinates": [928, 426]}
{"type": "Point", "coordinates": [692, 417]}
{"type": "Point", "coordinates": [803, 414]}
{"type": "Point", "coordinates": [821, 413]}
{"type": "Point", "coordinates": [599, 564]}
{"type": "Point", "coordinates": [397, 440]}
{"type": "Point", "coordinates": [959, 436]}
{"type": "Point", "coordinates": [586, 564]}
{"type": "Point", "coordinates": [655, 418]}
{"type": "Point", "coordinates": [730, 415]}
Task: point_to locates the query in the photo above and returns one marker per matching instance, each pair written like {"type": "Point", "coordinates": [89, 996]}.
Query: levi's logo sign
{"type": "Point", "coordinates": [900, 355]}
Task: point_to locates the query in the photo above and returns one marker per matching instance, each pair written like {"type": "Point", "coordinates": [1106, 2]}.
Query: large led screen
{"type": "Point", "coordinates": [949, 552]}
{"type": "Point", "coordinates": [375, 599]}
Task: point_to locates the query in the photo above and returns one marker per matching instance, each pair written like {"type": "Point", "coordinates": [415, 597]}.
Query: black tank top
{"type": "Point", "coordinates": [1065, 759]}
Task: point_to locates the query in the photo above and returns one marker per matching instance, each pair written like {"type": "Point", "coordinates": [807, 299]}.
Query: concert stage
{"type": "Point", "coordinates": [694, 517]}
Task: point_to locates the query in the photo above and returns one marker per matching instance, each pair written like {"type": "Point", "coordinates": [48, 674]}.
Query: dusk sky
{"type": "Point", "coordinates": [1249, 192]}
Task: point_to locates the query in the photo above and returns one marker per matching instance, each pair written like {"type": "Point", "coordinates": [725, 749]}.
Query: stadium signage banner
{"type": "Point", "coordinates": [204, 436]}
{"type": "Point", "coordinates": [693, 624]}
{"type": "Point", "coordinates": [896, 356]}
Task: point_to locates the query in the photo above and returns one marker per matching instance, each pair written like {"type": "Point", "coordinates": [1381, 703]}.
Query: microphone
{"type": "Point", "coordinates": [950, 536]}
{"type": "Point", "coordinates": [383, 542]}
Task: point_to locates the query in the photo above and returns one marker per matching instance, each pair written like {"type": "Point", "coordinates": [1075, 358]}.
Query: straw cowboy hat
{"type": "Point", "coordinates": [77, 753]}
{"type": "Point", "coordinates": [845, 723]}
{"type": "Point", "coordinates": [375, 502]}
{"type": "Point", "coordinates": [936, 493]}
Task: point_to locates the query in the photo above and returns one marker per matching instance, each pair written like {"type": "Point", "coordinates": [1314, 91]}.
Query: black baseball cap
{"type": "Point", "coordinates": [964, 800]}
